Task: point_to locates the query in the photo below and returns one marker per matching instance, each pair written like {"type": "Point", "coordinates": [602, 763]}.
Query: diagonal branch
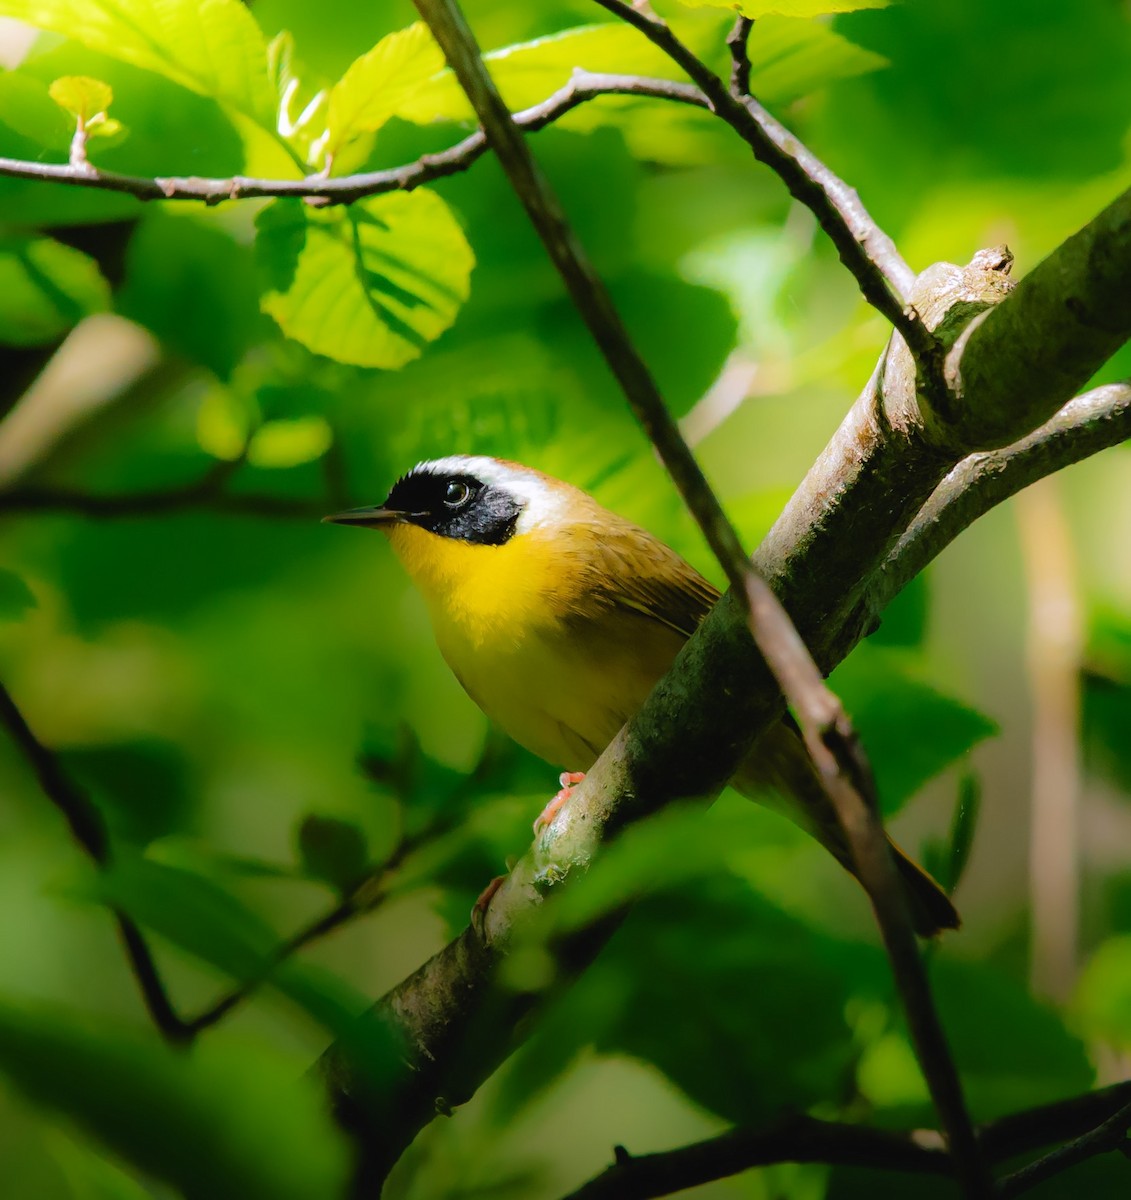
{"type": "Point", "coordinates": [88, 830]}
{"type": "Point", "coordinates": [828, 734]}
{"type": "Point", "coordinates": [1086, 425]}
{"type": "Point", "coordinates": [869, 254]}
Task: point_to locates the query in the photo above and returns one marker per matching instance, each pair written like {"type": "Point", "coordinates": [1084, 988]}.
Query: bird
{"type": "Point", "coordinates": [557, 617]}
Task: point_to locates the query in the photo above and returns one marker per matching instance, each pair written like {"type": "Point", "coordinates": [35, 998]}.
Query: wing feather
{"type": "Point", "coordinates": [629, 569]}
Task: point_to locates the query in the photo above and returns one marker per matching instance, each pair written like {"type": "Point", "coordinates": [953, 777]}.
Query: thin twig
{"type": "Point", "coordinates": [799, 1139]}
{"type": "Point", "coordinates": [738, 44]}
{"type": "Point", "coordinates": [207, 493]}
{"type": "Point", "coordinates": [1111, 1135]}
{"type": "Point", "coordinates": [1093, 421]}
{"type": "Point", "coordinates": [364, 898]}
{"type": "Point", "coordinates": [582, 87]}
{"type": "Point", "coordinates": [869, 254]}
{"type": "Point", "coordinates": [1091, 1119]}
{"type": "Point", "coordinates": [829, 736]}
{"type": "Point", "coordinates": [89, 831]}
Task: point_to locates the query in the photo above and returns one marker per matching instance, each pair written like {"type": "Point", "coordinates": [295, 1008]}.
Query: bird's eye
{"type": "Point", "coordinates": [456, 494]}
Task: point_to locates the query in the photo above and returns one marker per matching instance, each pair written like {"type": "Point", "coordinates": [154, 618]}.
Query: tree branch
{"type": "Point", "coordinates": [862, 494]}
{"type": "Point", "coordinates": [799, 1139]}
{"type": "Point", "coordinates": [869, 254]}
{"type": "Point", "coordinates": [1093, 1119]}
{"type": "Point", "coordinates": [738, 44]}
{"type": "Point", "coordinates": [1086, 425]}
{"type": "Point", "coordinates": [89, 832]}
{"type": "Point", "coordinates": [582, 87]}
{"type": "Point", "coordinates": [207, 493]}
{"type": "Point", "coordinates": [1111, 1135]}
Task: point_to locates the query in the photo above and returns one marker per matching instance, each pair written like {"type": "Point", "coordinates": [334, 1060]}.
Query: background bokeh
{"type": "Point", "coordinates": [217, 676]}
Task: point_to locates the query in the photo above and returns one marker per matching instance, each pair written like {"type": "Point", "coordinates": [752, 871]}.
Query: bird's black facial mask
{"type": "Point", "coordinates": [456, 506]}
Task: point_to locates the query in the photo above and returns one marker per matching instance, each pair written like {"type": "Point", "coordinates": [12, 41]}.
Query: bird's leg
{"type": "Point", "coordinates": [568, 781]}
{"type": "Point", "coordinates": [479, 908]}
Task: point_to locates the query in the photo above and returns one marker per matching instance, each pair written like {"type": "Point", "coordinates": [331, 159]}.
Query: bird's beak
{"type": "Point", "coordinates": [372, 518]}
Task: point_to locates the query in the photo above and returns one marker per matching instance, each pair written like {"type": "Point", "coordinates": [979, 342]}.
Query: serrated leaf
{"type": "Point", "coordinates": [379, 83]}
{"type": "Point", "coordinates": [787, 8]}
{"type": "Point", "coordinates": [211, 46]}
{"type": "Point", "coordinates": [45, 289]}
{"type": "Point", "coordinates": [287, 443]}
{"type": "Point", "coordinates": [911, 730]}
{"type": "Point", "coordinates": [228, 1125]}
{"type": "Point", "coordinates": [16, 598]}
{"type": "Point", "coordinates": [369, 285]}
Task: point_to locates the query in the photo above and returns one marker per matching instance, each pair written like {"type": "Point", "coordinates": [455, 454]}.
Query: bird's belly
{"type": "Point", "coordinates": [561, 699]}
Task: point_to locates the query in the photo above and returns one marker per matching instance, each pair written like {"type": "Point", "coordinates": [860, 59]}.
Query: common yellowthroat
{"type": "Point", "coordinates": [558, 616]}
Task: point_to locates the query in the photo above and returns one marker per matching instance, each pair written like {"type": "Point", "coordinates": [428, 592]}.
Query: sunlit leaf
{"type": "Point", "coordinates": [16, 598]}
{"type": "Point", "coordinates": [287, 443]}
{"type": "Point", "coordinates": [224, 422]}
{"type": "Point", "coordinates": [45, 289]}
{"type": "Point", "coordinates": [380, 84]}
{"type": "Point", "coordinates": [371, 284]}
{"type": "Point", "coordinates": [528, 72]}
{"type": "Point", "coordinates": [81, 95]}
{"type": "Point", "coordinates": [232, 1125]}
{"type": "Point", "coordinates": [211, 46]}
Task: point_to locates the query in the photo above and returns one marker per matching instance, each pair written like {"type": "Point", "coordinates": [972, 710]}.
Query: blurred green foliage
{"type": "Point", "coordinates": [253, 700]}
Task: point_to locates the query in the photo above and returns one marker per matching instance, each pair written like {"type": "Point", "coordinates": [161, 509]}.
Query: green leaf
{"type": "Point", "coordinates": [220, 1123]}
{"type": "Point", "coordinates": [211, 924]}
{"type": "Point", "coordinates": [82, 96]}
{"type": "Point", "coordinates": [379, 83]}
{"type": "Point", "coordinates": [224, 422]}
{"type": "Point", "coordinates": [528, 72]}
{"type": "Point", "coordinates": [16, 598]}
{"type": "Point", "coordinates": [1011, 1050]}
{"type": "Point", "coordinates": [333, 850]}
{"type": "Point", "coordinates": [290, 442]}
{"type": "Point", "coordinates": [910, 730]}
{"type": "Point", "coordinates": [193, 285]}
{"type": "Point", "coordinates": [45, 289]}
{"type": "Point", "coordinates": [369, 285]}
{"type": "Point", "coordinates": [716, 946]}
{"type": "Point", "coordinates": [210, 46]}
{"type": "Point", "coordinates": [1103, 994]}
{"type": "Point", "coordinates": [946, 861]}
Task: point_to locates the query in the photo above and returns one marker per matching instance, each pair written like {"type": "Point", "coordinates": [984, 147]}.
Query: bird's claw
{"type": "Point", "coordinates": [567, 780]}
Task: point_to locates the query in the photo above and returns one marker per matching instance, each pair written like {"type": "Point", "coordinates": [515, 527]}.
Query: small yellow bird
{"type": "Point", "coordinates": [557, 618]}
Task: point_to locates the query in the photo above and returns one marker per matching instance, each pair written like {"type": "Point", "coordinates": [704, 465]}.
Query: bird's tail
{"type": "Point", "coordinates": [780, 761]}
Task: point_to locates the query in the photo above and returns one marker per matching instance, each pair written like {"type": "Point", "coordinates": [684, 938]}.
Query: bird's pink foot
{"type": "Point", "coordinates": [479, 908]}
{"type": "Point", "coordinates": [568, 781]}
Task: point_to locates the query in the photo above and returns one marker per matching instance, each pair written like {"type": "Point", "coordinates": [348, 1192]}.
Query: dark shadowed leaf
{"type": "Point", "coordinates": [16, 598]}
{"type": "Point", "coordinates": [234, 1125]}
{"type": "Point", "coordinates": [333, 850]}
{"type": "Point", "coordinates": [910, 729]}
